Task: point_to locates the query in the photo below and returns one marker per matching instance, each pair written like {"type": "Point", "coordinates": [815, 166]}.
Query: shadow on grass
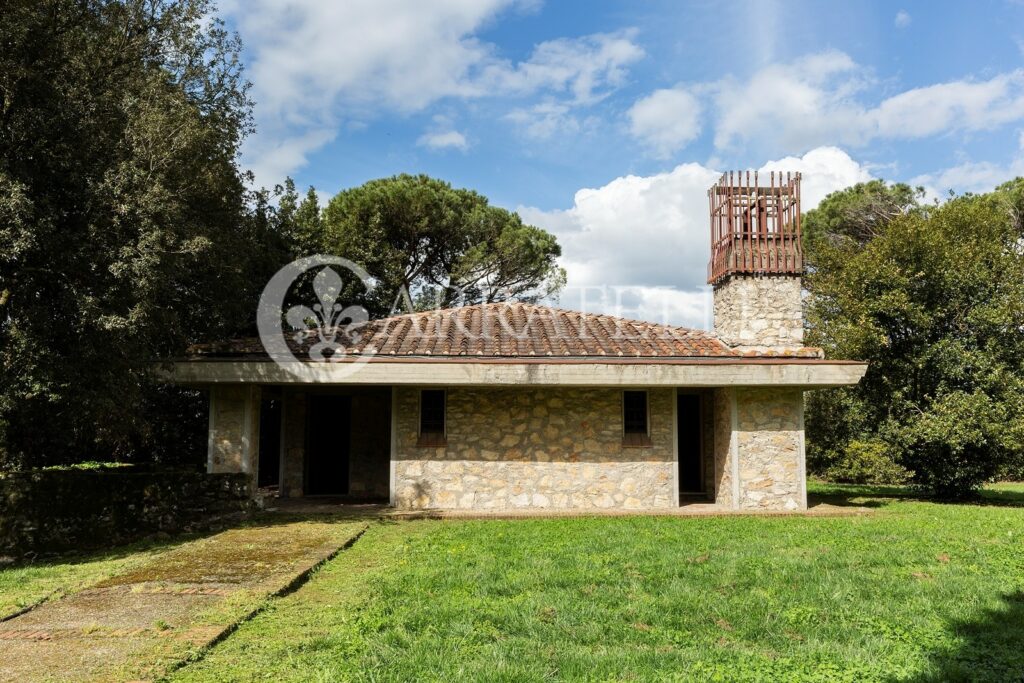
{"type": "Point", "coordinates": [860, 495]}
{"type": "Point", "coordinates": [991, 648]}
{"type": "Point", "coordinates": [158, 542]}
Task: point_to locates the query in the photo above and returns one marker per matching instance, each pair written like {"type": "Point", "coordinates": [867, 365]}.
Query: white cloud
{"type": "Point", "coordinates": [902, 19]}
{"type": "Point", "coordinates": [792, 106]}
{"type": "Point", "coordinates": [583, 68]}
{"type": "Point", "coordinates": [315, 63]}
{"type": "Point", "coordinates": [542, 121]}
{"type": "Point", "coordinates": [444, 140]}
{"type": "Point", "coordinates": [958, 105]}
{"type": "Point", "coordinates": [665, 120]}
{"type": "Point", "coordinates": [639, 245]}
{"type": "Point", "coordinates": [824, 170]}
{"type": "Point", "coordinates": [971, 176]}
{"type": "Point", "coordinates": [968, 176]}
{"type": "Point", "coordinates": [824, 99]}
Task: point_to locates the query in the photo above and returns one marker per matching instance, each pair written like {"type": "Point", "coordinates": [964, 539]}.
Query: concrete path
{"type": "Point", "coordinates": [142, 624]}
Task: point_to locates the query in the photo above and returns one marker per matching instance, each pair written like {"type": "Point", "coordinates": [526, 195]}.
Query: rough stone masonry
{"type": "Point", "coordinates": [759, 312]}
{"type": "Point", "coordinates": [535, 448]}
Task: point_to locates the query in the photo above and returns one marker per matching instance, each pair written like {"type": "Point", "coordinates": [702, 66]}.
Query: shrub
{"type": "Point", "coordinates": [867, 462]}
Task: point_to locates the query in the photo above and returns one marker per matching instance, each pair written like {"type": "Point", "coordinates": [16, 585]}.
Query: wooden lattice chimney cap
{"type": "Point", "coordinates": [755, 225]}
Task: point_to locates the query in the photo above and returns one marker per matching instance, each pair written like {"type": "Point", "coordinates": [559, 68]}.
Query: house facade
{"type": "Point", "coordinates": [517, 406]}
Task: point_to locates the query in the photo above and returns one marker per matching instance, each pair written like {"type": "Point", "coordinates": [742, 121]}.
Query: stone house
{"type": "Point", "coordinates": [515, 406]}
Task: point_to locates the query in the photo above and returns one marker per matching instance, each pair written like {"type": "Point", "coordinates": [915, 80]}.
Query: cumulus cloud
{"type": "Point", "coordinates": [902, 19]}
{"type": "Point", "coordinates": [639, 245]}
{"type": "Point", "coordinates": [444, 140]}
{"type": "Point", "coordinates": [665, 120]}
{"type": "Point", "coordinates": [313, 63]}
{"type": "Point", "coordinates": [825, 99]}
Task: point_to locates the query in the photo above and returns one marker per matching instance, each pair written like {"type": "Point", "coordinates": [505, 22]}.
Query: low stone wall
{"type": "Point", "coordinates": [59, 510]}
{"type": "Point", "coordinates": [536, 448]}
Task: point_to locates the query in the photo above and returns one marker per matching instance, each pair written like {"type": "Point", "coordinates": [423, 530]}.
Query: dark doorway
{"type": "Point", "coordinates": [328, 440]}
{"type": "Point", "coordinates": [270, 442]}
{"type": "Point", "coordinates": [691, 475]}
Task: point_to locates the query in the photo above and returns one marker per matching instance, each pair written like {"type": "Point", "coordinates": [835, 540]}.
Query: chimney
{"type": "Point", "coordinates": [757, 261]}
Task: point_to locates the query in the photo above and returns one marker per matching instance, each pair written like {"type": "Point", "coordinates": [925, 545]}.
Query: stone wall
{"type": "Point", "coordinates": [759, 449]}
{"type": "Point", "coordinates": [60, 510]}
{"type": "Point", "coordinates": [723, 448]}
{"type": "Point", "coordinates": [770, 444]}
{"type": "Point", "coordinates": [234, 429]}
{"type": "Point", "coordinates": [293, 442]}
{"type": "Point", "coordinates": [535, 448]}
{"type": "Point", "coordinates": [759, 312]}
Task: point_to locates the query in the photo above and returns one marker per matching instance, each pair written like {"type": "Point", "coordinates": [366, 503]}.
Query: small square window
{"type": "Point", "coordinates": [634, 419]}
{"type": "Point", "coordinates": [432, 417]}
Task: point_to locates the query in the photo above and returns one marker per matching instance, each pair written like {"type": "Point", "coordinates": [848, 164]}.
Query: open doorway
{"type": "Point", "coordinates": [690, 445]}
{"type": "Point", "coordinates": [269, 469]}
{"type": "Point", "coordinates": [328, 445]}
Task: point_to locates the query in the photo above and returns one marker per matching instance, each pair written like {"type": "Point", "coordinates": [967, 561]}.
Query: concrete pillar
{"type": "Point", "coordinates": [233, 444]}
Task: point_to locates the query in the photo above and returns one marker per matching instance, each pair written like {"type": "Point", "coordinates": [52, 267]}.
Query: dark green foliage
{"type": "Point", "coordinates": [124, 224]}
{"type": "Point", "coordinates": [299, 222]}
{"type": "Point", "coordinates": [437, 245]}
{"type": "Point", "coordinates": [57, 510]}
{"type": "Point", "coordinates": [858, 214]}
{"type": "Point", "coordinates": [933, 299]}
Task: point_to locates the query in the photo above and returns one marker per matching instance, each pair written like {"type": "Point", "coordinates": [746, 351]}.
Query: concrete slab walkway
{"type": "Point", "coordinates": [145, 622]}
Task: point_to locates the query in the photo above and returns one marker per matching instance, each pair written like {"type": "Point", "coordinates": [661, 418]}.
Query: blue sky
{"type": "Point", "coordinates": [605, 121]}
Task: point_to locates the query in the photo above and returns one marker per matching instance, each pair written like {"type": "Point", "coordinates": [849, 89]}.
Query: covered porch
{"type": "Point", "coordinates": [631, 444]}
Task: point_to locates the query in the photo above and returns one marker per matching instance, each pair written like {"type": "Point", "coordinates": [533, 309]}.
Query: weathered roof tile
{"type": "Point", "coordinates": [511, 330]}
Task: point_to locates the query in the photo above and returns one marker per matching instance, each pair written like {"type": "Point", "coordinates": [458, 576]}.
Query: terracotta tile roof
{"type": "Point", "coordinates": [509, 330]}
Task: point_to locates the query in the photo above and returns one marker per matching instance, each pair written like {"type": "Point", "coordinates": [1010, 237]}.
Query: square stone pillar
{"type": "Point", "coordinates": [759, 449]}
{"type": "Point", "coordinates": [293, 443]}
{"type": "Point", "coordinates": [234, 432]}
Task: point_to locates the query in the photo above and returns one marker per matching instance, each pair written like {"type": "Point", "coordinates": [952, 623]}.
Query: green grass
{"type": "Point", "coordinates": [914, 591]}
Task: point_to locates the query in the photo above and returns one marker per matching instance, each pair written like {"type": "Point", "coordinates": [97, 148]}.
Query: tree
{"type": "Point", "coordinates": [298, 222]}
{"type": "Point", "coordinates": [933, 299]}
{"type": "Point", "coordinates": [441, 246]}
{"type": "Point", "coordinates": [858, 213]}
{"type": "Point", "coordinates": [123, 214]}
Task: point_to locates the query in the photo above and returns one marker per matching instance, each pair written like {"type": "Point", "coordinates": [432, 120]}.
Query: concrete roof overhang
{"type": "Point", "coordinates": [805, 373]}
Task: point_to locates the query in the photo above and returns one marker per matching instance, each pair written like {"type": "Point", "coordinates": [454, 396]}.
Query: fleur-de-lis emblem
{"type": "Point", "coordinates": [328, 319]}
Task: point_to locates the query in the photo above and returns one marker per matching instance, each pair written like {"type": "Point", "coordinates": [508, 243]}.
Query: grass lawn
{"type": "Point", "coordinates": [915, 591]}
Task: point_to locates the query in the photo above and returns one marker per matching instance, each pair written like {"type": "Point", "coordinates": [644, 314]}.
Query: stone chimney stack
{"type": "Point", "coordinates": [757, 261]}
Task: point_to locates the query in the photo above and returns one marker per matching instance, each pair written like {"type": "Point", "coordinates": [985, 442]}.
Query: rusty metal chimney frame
{"type": "Point", "coordinates": [755, 225]}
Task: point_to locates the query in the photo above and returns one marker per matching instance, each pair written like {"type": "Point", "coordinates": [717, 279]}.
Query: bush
{"type": "Point", "coordinates": [867, 462]}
